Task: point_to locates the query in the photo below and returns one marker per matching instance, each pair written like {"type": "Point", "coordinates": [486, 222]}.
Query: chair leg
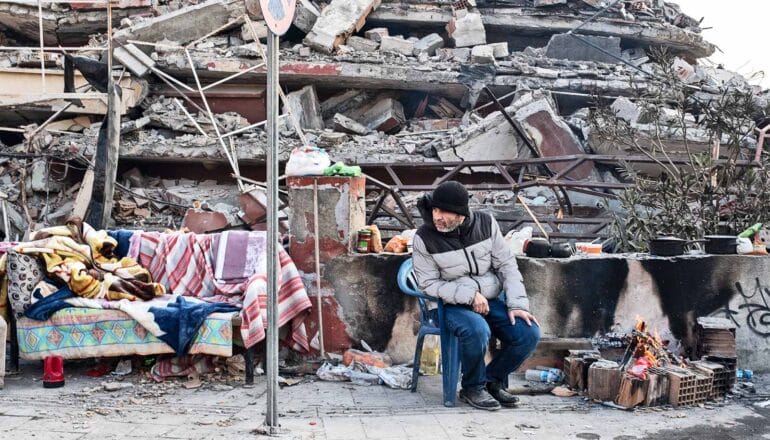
{"type": "Point", "coordinates": [248, 358]}
{"type": "Point", "coordinates": [452, 371]}
{"type": "Point", "coordinates": [417, 357]}
{"type": "Point", "coordinates": [14, 344]}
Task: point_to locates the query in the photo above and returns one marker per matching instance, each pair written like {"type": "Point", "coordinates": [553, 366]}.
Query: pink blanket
{"type": "Point", "coordinates": [186, 265]}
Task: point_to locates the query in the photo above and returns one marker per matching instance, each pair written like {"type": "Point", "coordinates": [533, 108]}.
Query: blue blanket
{"type": "Point", "coordinates": [181, 320]}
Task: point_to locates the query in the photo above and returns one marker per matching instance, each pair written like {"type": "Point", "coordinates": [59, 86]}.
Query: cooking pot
{"type": "Point", "coordinates": [721, 244]}
{"type": "Point", "coordinates": [668, 246]}
{"type": "Point", "coordinates": [537, 248]}
{"type": "Point", "coordinates": [561, 250]}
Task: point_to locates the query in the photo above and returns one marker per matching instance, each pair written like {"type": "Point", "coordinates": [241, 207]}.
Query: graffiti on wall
{"type": "Point", "coordinates": [755, 303]}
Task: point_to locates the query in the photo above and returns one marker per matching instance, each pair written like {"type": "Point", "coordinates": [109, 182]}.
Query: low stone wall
{"type": "Point", "coordinates": [579, 297]}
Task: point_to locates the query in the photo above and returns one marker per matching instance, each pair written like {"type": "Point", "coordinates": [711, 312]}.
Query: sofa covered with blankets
{"type": "Point", "coordinates": [81, 293]}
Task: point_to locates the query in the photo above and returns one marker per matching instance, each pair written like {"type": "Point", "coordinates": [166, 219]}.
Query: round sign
{"type": "Point", "coordinates": [278, 14]}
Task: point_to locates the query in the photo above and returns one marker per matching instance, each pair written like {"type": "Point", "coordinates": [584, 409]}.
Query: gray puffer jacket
{"type": "Point", "coordinates": [454, 266]}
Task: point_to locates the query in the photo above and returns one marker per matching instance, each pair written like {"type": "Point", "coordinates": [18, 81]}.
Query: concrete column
{"type": "Point", "coordinates": [341, 213]}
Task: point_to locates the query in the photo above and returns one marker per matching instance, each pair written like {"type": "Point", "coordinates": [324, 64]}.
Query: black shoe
{"type": "Point", "coordinates": [499, 393]}
{"type": "Point", "coordinates": [479, 398]}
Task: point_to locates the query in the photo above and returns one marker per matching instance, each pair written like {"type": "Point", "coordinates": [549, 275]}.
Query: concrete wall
{"type": "Point", "coordinates": [580, 297]}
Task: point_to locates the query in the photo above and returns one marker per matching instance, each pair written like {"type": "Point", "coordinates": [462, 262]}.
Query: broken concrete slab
{"type": "Point", "coordinates": [500, 49]}
{"type": "Point", "coordinates": [40, 178]}
{"type": "Point", "coordinates": [568, 47]}
{"type": "Point", "coordinates": [428, 45]}
{"type": "Point", "coordinates": [626, 110]}
{"type": "Point", "coordinates": [331, 139]}
{"type": "Point", "coordinates": [304, 105]}
{"type": "Point", "coordinates": [305, 15]}
{"type": "Point", "coordinates": [344, 102]}
{"type": "Point", "coordinates": [482, 55]}
{"type": "Point", "coordinates": [385, 115]}
{"type": "Point", "coordinates": [376, 34]}
{"type": "Point", "coordinates": [543, 3]}
{"type": "Point", "coordinates": [348, 125]}
{"type": "Point", "coordinates": [337, 22]}
{"type": "Point", "coordinates": [397, 45]}
{"type": "Point", "coordinates": [467, 30]}
{"type": "Point", "coordinates": [461, 55]}
{"type": "Point", "coordinates": [362, 44]}
{"type": "Point", "coordinates": [136, 61]}
{"type": "Point", "coordinates": [186, 24]}
{"type": "Point", "coordinates": [684, 71]}
{"type": "Point", "coordinates": [552, 136]}
{"type": "Point", "coordinates": [260, 28]}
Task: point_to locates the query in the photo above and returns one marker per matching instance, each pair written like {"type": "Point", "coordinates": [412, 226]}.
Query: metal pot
{"type": "Point", "coordinates": [537, 248]}
{"type": "Point", "coordinates": [721, 244]}
{"type": "Point", "coordinates": [561, 250]}
{"type": "Point", "coordinates": [668, 246]}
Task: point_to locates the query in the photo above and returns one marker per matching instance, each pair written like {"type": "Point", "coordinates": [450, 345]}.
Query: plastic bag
{"type": "Point", "coordinates": [308, 161]}
{"type": "Point", "coordinates": [375, 246]}
{"type": "Point", "coordinates": [397, 245]}
{"type": "Point", "coordinates": [398, 377]}
{"type": "Point", "coordinates": [332, 373]}
{"type": "Point", "coordinates": [516, 239]}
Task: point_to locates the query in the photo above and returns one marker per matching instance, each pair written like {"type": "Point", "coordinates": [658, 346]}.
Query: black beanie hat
{"type": "Point", "coordinates": [451, 196]}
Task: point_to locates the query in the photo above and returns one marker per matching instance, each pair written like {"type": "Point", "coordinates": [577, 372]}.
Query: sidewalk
{"type": "Point", "coordinates": [324, 410]}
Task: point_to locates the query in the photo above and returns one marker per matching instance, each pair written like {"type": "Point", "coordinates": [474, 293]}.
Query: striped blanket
{"type": "Point", "coordinates": [185, 264]}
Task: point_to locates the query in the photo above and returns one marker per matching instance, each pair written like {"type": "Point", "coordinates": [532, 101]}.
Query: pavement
{"type": "Point", "coordinates": [223, 407]}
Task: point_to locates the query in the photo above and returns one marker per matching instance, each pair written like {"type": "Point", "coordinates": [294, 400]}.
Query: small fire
{"type": "Point", "coordinates": [647, 349]}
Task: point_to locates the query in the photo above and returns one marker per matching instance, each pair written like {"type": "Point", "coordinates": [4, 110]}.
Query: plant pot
{"type": "Point", "coordinates": [721, 244]}
{"type": "Point", "coordinates": [668, 246]}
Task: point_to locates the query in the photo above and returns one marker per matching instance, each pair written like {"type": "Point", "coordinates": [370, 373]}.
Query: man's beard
{"type": "Point", "coordinates": [448, 227]}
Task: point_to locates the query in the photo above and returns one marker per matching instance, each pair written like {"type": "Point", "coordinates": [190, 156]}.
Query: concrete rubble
{"type": "Point", "coordinates": [374, 82]}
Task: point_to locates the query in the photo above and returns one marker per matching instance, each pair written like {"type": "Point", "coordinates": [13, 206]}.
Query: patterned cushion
{"type": "Point", "coordinates": [24, 272]}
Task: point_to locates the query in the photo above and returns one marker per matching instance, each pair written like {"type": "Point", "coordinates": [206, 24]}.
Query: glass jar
{"type": "Point", "coordinates": [364, 238]}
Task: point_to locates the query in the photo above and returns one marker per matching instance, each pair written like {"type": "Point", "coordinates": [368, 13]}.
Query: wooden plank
{"type": "Point", "coordinates": [106, 164]}
{"type": "Point", "coordinates": [84, 194]}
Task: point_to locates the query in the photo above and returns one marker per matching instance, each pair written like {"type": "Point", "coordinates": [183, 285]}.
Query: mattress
{"type": "Point", "coordinates": [78, 333]}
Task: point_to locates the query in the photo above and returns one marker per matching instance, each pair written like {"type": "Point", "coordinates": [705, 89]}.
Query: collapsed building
{"type": "Point", "coordinates": [503, 95]}
{"type": "Point", "coordinates": [406, 89]}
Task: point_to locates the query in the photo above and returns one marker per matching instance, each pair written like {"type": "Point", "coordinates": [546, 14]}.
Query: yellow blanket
{"type": "Point", "coordinates": [83, 258]}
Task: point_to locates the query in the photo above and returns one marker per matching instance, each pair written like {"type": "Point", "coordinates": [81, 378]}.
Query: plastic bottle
{"type": "Point", "coordinates": [430, 360]}
{"type": "Point", "coordinates": [541, 376]}
{"type": "Point", "coordinates": [555, 371]}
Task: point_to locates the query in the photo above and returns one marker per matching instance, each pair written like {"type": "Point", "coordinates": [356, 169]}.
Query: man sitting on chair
{"type": "Point", "coordinates": [461, 257]}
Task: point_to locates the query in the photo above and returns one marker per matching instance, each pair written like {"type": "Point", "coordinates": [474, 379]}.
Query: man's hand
{"type": "Point", "coordinates": [522, 314]}
{"type": "Point", "coordinates": [480, 304]}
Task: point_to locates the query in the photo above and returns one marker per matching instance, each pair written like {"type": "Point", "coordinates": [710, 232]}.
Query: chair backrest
{"type": "Point", "coordinates": [408, 284]}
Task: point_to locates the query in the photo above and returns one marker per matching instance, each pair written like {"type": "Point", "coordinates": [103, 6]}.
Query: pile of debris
{"type": "Point", "coordinates": [373, 82]}
{"type": "Point", "coordinates": [649, 374]}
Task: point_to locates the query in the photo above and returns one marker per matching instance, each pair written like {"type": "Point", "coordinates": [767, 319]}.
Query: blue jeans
{"type": "Point", "coordinates": [474, 331]}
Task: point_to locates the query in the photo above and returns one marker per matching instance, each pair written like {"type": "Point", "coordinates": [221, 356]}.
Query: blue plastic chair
{"type": "Point", "coordinates": [450, 348]}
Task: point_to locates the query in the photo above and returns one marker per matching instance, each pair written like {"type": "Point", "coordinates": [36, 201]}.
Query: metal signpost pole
{"type": "Point", "coordinates": [271, 420]}
{"type": "Point", "coordinates": [278, 15]}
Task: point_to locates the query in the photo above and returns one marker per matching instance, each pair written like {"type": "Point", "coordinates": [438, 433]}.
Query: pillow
{"type": "Point", "coordinates": [24, 273]}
